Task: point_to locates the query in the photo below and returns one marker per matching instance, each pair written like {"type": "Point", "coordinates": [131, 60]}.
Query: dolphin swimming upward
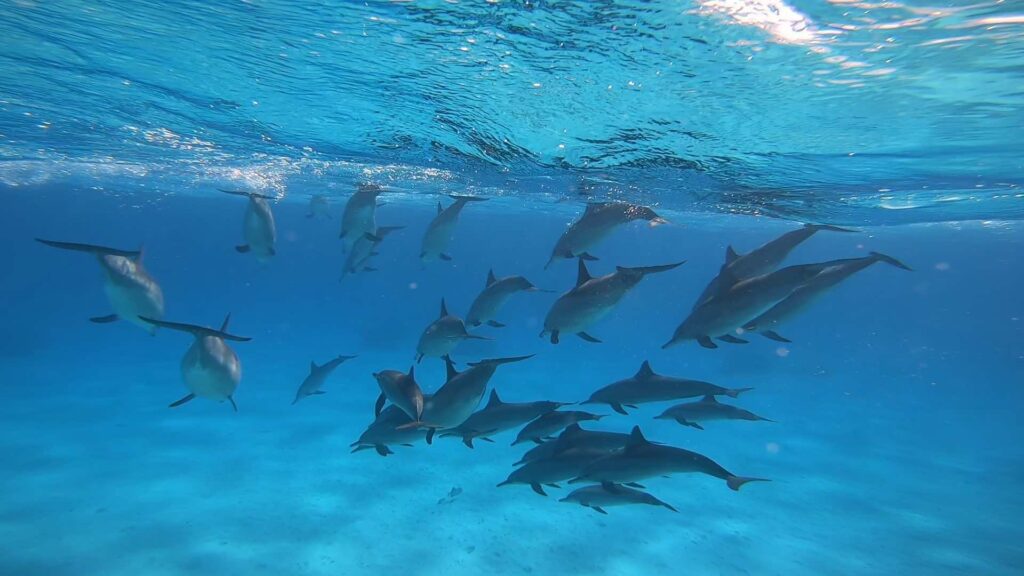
{"type": "Point", "coordinates": [319, 207]}
{"type": "Point", "coordinates": [494, 295]}
{"type": "Point", "coordinates": [401, 390]}
{"type": "Point", "coordinates": [593, 298]}
{"type": "Point", "coordinates": [597, 222]}
{"type": "Point", "coordinates": [317, 376]}
{"type": "Point", "coordinates": [365, 248]}
{"type": "Point", "coordinates": [442, 227]}
{"type": "Point", "coordinates": [259, 230]}
{"type": "Point", "coordinates": [360, 215]}
{"type": "Point", "coordinates": [131, 291]}
{"type": "Point", "coordinates": [210, 368]}
{"type": "Point", "coordinates": [443, 335]}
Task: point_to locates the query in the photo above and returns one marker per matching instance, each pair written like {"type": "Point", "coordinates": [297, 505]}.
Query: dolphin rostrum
{"type": "Point", "coordinates": [442, 227]}
{"type": "Point", "coordinates": [360, 213]}
{"type": "Point", "coordinates": [319, 207]}
{"type": "Point", "coordinates": [131, 291]}
{"type": "Point", "coordinates": [593, 298]}
{"type": "Point", "coordinates": [608, 494]}
{"type": "Point", "coordinates": [387, 429]}
{"type": "Point", "coordinates": [401, 390]}
{"type": "Point", "coordinates": [443, 335]}
{"type": "Point", "coordinates": [494, 295]}
{"type": "Point", "coordinates": [210, 368]}
{"type": "Point", "coordinates": [365, 248]}
{"type": "Point", "coordinates": [646, 386]}
{"type": "Point", "coordinates": [259, 230]}
{"type": "Point", "coordinates": [706, 409]}
{"type": "Point", "coordinates": [551, 423]}
{"type": "Point", "coordinates": [597, 222]}
{"type": "Point", "coordinates": [317, 376]}
{"type": "Point", "coordinates": [641, 459]}
{"type": "Point", "coordinates": [498, 416]}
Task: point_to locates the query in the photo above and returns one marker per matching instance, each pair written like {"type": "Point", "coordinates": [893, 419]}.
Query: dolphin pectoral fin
{"type": "Point", "coordinates": [104, 319]}
{"type": "Point", "coordinates": [379, 405]}
{"type": "Point", "coordinates": [495, 324]}
{"type": "Point", "coordinates": [553, 485]}
{"type": "Point", "coordinates": [587, 256]}
{"type": "Point", "coordinates": [430, 436]}
{"type": "Point", "coordinates": [706, 342]}
{"type": "Point", "coordinates": [182, 401]}
{"type": "Point", "coordinates": [318, 392]}
{"type": "Point", "coordinates": [554, 336]}
{"type": "Point", "coordinates": [635, 485]}
{"type": "Point", "coordinates": [372, 237]}
{"type": "Point", "coordinates": [598, 509]}
{"type": "Point", "coordinates": [632, 406]}
{"type": "Point", "coordinates": [419, 357]}
{"type": "Point", "coordinates": [618, 408]}
{"type": "Point", "coordinates": [773, 335]}
{"type": "Point", "coordinates": [477, 337]}
{"type": "Point", "coordinates": [242, 248]}
{"type": "Point", "coordinates": [686, 422]}
{"type": "Point", "coordinates": [233, 405]}
{"type": "Point", "coordinates": [733, 339]}
{"type": "Point", "coordinates": [272, 251]}
{"type": "Point", "coordinates": [445, 257]}
{"type": "Point", "coordinates": [538, 489]}
{"type": "Point", "coordinates": [537, 440]}
{"type": "Point", "coordinates": [383, 450]}
{"type": "Point", "coordinates": [468, 441]}
{"type": "Point", "coordinates": [407, 445]}
{"type": "Point", "coordinates": [588, 337]}
{"type": "Point", "coordinates": [486, 439]}
{"type": "Point", "coordinates": [736, 482]}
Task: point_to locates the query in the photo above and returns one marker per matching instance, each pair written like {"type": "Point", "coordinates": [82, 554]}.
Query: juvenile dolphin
{"type": "Point", "coordinates": [443, 335]}
{"type": "Point", "coordinates": [597, 222]}
{"type": "Point", "coordinates": [317, 376]}
{"type": "Point", "coordinates": [210, 368]}
{"type": "Point", "coordinates": [545, 425]}
{"type": "Point", "coordinates": [360, 213]}
{"type": "Point", "coordinates": [576, 438]}
{"type": "Point", "coordinates": [319, 207]}
{"type": "Point", "coordinates": [609, 494]}
{"type": "Point", "coordinates": [387, 429]}
{"type": "Point", "coordinates": [259, 230]}
{"type": "Point", "coordinates": [131, 291]}
{"type": "Point", "coordinates": [706, 409]}
{"type": "Point", "coordinates": [760, 260]}
{"type": "Point", "coordinates": [494, 295]}
{"type": "Point", "coordinates": [442, 227]}
{"type": "Point", "coordinates": [646, 386]}
{"type": "Point", "coordinates": [498, 416]}
{"type": "Point", "coordinates": [365, 248]}
{"type": "Point", "coordinates": [592, 299]}
{"type": "Point", "coordinates": [555, 468]}
{"type": "Point", "coordinates": [641, 459]}
{"type": "Point", "coordinates": [402, 390]}
{"type": "Point", "coordinates": [729, 310]}
{"type": "Point", "coordinates": [454, 402]}
{"type": "Point", "coordinates": [768, 322]}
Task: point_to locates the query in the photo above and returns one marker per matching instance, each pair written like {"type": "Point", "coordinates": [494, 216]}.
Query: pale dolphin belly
{"type": "Point", "coordinates": [211, 369]}
{"type": "Point", "coordinates": [130, 291]}
{"type": "Point", "coordinates": [259, 229]}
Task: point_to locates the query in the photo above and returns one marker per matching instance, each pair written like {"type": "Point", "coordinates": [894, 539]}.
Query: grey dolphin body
{"type": "Point", "coordinates": [608, 494]}
{"type": "Point", "coordinates": [317, 376]}
{"type": "Point", "coordinates": [442, 227]}
{"type": "Point", "coordinates": [554, 468]}
{"type": "Point", "coordinates": [454, 402]}
{"type": "Point", "coordinates": [131, 291]}
{"type": "Point", "coordinates": [592, 299]}
{"type": "Point", "coordinates": [760, 260]}
{"type": "Point", "coordinates": [641, 459]}
{"type": "Point", "coordinates": [801, 298]}
{"type": "Point", "coordinates": [258, 228]}
{"type": "Point", "coordinates": [646, 386]}
{"type": "Point", "coordinates": [554, 422]}
{"type": "Point", "coordinates": [364, 248]}
{"type": "Point", "coordinates": [705, 410]}
{"type": "Point", "coordinates": [210, 368]}
{"type": "Point", "coordinates": [386, 430]}
{"type": "Point", "coordinates": [443, 335]}
{"type": "Point", "coordinates": [576, 438]}
{"type": "Point", "coordinates": [494, 295]}
{"type": "Point", "coordinates": [729, 310]}
{"type": "Point", "coordinates": [319, 207]}
{"type": "Point", "coordinates": [360, 213]}
{"type": "Point", "coordinates": [498, 416]}
{"type": "Point", "coordinates": [597, 222]}
{"type": "Point", "coordinates": [401, 390]}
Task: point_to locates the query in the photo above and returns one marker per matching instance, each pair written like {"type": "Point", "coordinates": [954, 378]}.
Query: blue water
{"type": "Point", "coordinates": [895, 447]}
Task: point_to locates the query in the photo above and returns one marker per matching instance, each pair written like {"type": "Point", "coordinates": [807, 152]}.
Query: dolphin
{"type": "Point", "coordinates": [729, 310]}
{"type": "Point", "coordinates": [608, 494]}
{"type": "Point", "coordinates": [597, 222]}
{"type": "Point", "coordinates": [454, 402]}
{"type": "Point", "coordinates": [554, 468]}
{"type": "Point", "coordinates": [402, 390]}
{"type": "Point", "coordinates": [131, 291]}
{"type": "Point", "coordinates": [260, 233]}
{"type": "Point", "coordinates": [210, 368]}
{"type": "Point", "coordinates": [576, 438]}
{"type": "Point", "coordinates": [498, 416]}
{"type": "Point", "coordinates": [360, 214]}
{"type": "Point", "coordinates": [641, 459]}
{"type": "Point", "coordinates": [801, 298]}
{"type": "Point", "coordinates": [706, 409]}
{"type": "Point", "coordinates": [593, 298]}
{"type": "Point", "coordinates": [365, 248]}
{"type": "Point", "coordinates": [443, 335]}
{"type": "Point", "coordinates": [761, 260]}
{"type": "Point", "coordinates": [388, 429]}
{"type": "Point", "coordinates": [442, 227]}
{"type": "Point", "coordinates": [319, 207]}
{"type": "Point", "coordinates": [494, 295]}
{"type": "Point", "coordinates": [646, 386]}
{"type": "Point", "coordinates": [317, 375]}
{"type": "Point", "coordinates": [554, 422]}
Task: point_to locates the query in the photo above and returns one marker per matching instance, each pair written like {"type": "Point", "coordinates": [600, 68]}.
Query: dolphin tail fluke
{"type": "Point", "coordinates": [104, 319]}
{"type": "Point", "coordinates": [91, 248]}
{"type": "Point", "coordinates": [773, 335]}
{"type": "Point", "coordinates": [735, 392]}
{"type": "Point", "coordinates": [737, 482]}
{"type": "Point", "coordinates": [194, 330]}
{"type": "Point", "coordinates": [182, 401]}
{"type": "Point", "coordinates": [645, 270]}
{"type": "Point", "coordinates": [500, 361]}
{"type": "Point", "coordinates": [233, 405]}
{"type": "Point", "coordinates": [829, 228]}
{"type": "Point", "coordinates": [890, 260]}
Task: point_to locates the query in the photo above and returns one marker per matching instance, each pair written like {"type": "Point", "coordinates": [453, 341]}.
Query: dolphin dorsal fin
{"type": "Point", "coordinates": [644, 371]}
{"type": "Point", "coordinates": [450, 367]}
{"type": "Point", "coordinates": [312, 366]}
{"type": "Point", "coordinates": [494, 400]}
{"type": "Point", "coordinates": [444, 309]}
{"type": "Point", "coordinates": [710, 398]}
{"type": "Point", "coordinates": [730, 254]}
{"type": "Point", "coordinates": [224, 325]}
{"type": "Point", "coordinates": [490, 277]}
{"type": "Point", "coordinates": [440, 208]}
{"type": "Point", "coordinates": [582, 274]}
{"type": "Point", "coordinates": [572, 430]}
{"type": "Point", "coordinates": [412, 373]}
{"type": "Point", "coordinates": [636, 439]}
